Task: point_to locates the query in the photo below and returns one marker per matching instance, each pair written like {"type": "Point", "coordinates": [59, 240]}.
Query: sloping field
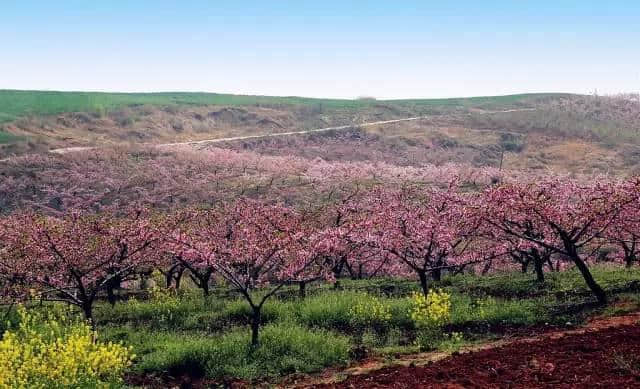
{"type": "Point", "coordinates": [15, 104]}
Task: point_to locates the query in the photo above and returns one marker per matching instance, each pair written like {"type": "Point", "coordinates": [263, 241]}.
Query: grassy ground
{"type": "Point", "coordinates": [209, 336]}
{"type": "Point", "coordinates": [16, 104]}
{"type": "Point", "coordinates": [188, 334]}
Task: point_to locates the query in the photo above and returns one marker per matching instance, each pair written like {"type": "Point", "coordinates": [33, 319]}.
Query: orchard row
{"type": "Point", "coordinates": [258, 247]}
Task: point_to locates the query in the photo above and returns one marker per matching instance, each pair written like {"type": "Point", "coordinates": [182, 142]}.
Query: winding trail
{"type": "Point", "coordinates": [65, 150]}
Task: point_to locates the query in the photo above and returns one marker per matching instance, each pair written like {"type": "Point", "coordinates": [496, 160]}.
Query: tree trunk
{"type": "Point", "coordinates": [302, 292]}
{"type": "Point", "coordinates": [111, 296]}
{"type": "Point", "coordinates": [487, 267]}
{"type": "Point", "coordinates": [352, 273]}
{"type": "Point", "coordinates": [87, 309]}
{"type": "Point", "coordinates": [436, 274]}
{"type": "Point", "coordinates": [538, 264]}
{"type": "Point", "coordinates": [178, 277]}
{"type": "Point", "coordinates": [202, 280]}
{"type": "Point", "coordinates": [423, 282]}
{"type": "Point", "coordinates": [630, 256]}
{"type": "Point", "coordinates": [168, 278]}
{"type": "Point", "coordinates": [204, 284]}
{"type": "Point", "coordinates": [255, 328]}
{"type": "Point", "coordinates": [593, 285]}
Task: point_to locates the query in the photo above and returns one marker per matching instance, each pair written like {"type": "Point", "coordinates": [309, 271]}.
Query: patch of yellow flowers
{"type": "Point", "coordinates": [429, 314]}
{"type": "Point", "coordinates": [53, 351]}
{"type": "Point", "coordinates": [370, 311]}
{"type": "Point", "coordinates": [432, 310]}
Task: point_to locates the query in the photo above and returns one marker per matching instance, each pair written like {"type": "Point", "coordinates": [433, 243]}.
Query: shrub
{"type": "Point", "coordinates": [55, 351]}
{"type": "Point", "coordinates": [430, 314]}
{"type": "Point", "coordinates": [370, 312]}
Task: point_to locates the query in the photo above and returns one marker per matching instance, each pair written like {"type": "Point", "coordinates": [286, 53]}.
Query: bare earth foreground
{"type": "Point", "coordinates": [604, 355]}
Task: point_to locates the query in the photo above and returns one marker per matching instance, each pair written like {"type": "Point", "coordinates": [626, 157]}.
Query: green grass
{"type": "Point", "coordinates": [285, 348]}
{"type": "Point", "coordinates": [15, 104]}
{"type": "Point", "coordinates": [210, 336]}
{"type": "Point", "coordinates": [564, 285]}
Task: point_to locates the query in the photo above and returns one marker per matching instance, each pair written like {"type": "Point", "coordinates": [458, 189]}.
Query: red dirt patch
{"type": "Point", "coordinates": [607, 358]}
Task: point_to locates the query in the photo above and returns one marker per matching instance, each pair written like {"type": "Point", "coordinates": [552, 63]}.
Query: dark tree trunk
{"type": "Point", "coordinates": [423, 282]}
{"type": "Point", "coordinates": [255, 328]}
{"type": "Point", "coordinates": [204, 284]}
{"type": "Point", "coordinates": [168, 278]}
{"type": "Point", "coordinates": [630, 261]}
{"type": "Point", "coordinates": [87, 309]}
{"type": "Point", "coordinates": [487, 267]}
{"type": "Point", "coordinates": [178, 278]}
{"type": "Point", "coordinates": [597, 290]}
{"type": "Point", "coordinates": [629, 254]}
{"type": "Point", "coordinates": [302, 291]}
{"type": "Point", "coordinates": [111, 286]}
{"type": "Point", "coordinates": [436, 274]}
{"type": "Point", "coordinates": [202, 280]}
{"type": "Point", "coordinates": [111, 296]}
{"type": "Point", "coordinates": [538, 264]}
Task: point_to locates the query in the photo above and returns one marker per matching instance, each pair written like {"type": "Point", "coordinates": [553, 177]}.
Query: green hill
{"type": "Point", "coordinates": [15, 104]}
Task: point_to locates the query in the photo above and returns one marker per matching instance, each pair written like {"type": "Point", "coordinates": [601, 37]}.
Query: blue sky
{"type": "Point", "coordinates": [386, 49]}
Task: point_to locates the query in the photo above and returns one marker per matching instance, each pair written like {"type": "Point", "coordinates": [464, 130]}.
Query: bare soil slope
{"type": "Point", "coordinates": [606, 354]}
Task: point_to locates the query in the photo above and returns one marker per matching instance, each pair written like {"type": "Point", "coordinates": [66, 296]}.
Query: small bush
{"type": "Point", "coordinates": [430, 314]}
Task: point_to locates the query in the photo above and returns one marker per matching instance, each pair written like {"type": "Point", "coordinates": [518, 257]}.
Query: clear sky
{"type": "Point", "coordinates": [386, 49]}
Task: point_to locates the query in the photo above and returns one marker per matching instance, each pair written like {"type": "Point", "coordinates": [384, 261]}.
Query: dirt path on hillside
{"type": "Point", "coordinates": [66, 150]}
{"type": "Point", "coordinates": [371, 373]}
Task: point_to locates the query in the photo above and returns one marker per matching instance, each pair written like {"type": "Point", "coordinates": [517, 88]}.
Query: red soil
{"type": "Point", "coordinates": [605, 357]}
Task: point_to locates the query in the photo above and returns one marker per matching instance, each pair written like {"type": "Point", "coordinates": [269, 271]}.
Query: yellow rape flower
{"type": "Point", "coordinates": [429, 315]}
{"type": "Point", "coordinates": [370, 311]}
{"type": "Point", "coordinates": [46, 351]}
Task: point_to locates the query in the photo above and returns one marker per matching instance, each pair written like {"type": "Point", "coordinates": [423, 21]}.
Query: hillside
{"type": "Point", "coordinates": [560, 132]}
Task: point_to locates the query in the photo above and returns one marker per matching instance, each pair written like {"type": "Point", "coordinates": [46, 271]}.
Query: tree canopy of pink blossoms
{"type": "Point", "coordinates": [75, 257]}
{"type": "Point", "coordinates": [624, 233]}
{"type": "Point", "coordinates": [424, 231]}
{"type": "Point", "coordinates": [251, 245]}
{"type": "Point", "coordinates": [558, 215]}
